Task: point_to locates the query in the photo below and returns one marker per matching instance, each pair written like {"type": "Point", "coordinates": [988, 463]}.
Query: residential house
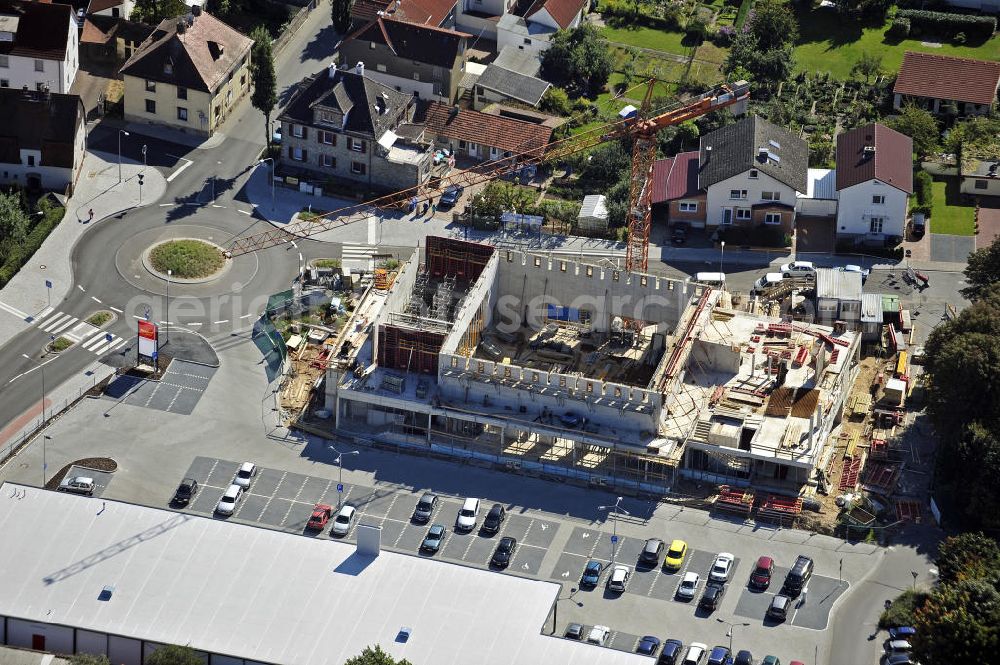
{"type": "Point", "coordinates": [752, 172]}
{"type": "Point", "coordinates": [188, 75]}
{"type": "Point", "coordinates": [838, 296]}
{"type": "Point", "coordinates": [871, 316]}
{"type": "Point", "coordinates": [942, 84]}
{"type": "Point", "coordinates": [499, 85]}
{"type": "Point", "coordinates": [420, 60]}
{"type": "Point", "coordinates": [483, 136]}
{"type": "Point", "coordinates": [108, 39]}
{"type": "Point", "coordinates": [435, 13]}
{"type": "Point", "coordinates": [43, 139]}
{"type": "Point", "coordinates": [344, 126]}
{"type": "Point", "coordinates": [527, 25]}
{"type": "Point", "coordinates": [39, 45]}
{"type": "Point", "coordinates": [113, 8]}
{"type": "Point", "coordinates": [675, 195]}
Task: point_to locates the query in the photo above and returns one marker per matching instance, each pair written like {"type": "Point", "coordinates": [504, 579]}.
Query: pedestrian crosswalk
{"type": "Point", "coordinates": [361, 257]}
{"type": "Point", "coordinates": [91, 338]}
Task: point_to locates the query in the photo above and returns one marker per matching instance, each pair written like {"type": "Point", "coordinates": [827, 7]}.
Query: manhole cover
{"type": "Point", "coordinates": [43, 266]}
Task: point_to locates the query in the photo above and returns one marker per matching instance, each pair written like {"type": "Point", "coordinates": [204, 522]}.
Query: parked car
{"type": "Point", "coordinates": [504, 552]}
{"type": "Point", "coordinates": [695, 653]}
{"type": "Point", "coordinates": [320, 516]}
{"type": "Point", "coordinates": [771, 660]}
{"type": "Point", "coordinates": [671, 653]}
{"type": "Point", "coordinates": [598, 635]}
{"type": "Point", "coordinates": [342, 522]}
{"type": "Point", "coordinates": [902, 632]}
{"type": "Point", "coordinates": [574, 631]}
{"type": "Point", "coordinates": [675, 555]}
{"type": "Point", "coordinates": [718, 656]}
{"type": "Point", "coordinates": [227, 504]}
{"type": "Point", "coordinates": [451, 196]}
{"type": "Point", "coordinates": [744, 657]}
{"type": "Point", "coordinates": [425, 507]}
{"type": "Point", "coordinates": [185, 491]}
{"type": "Point", "coordinates": [722, 568]}
{"type": "Point", "coordinates": [494, 518]}
{"type": "Point", "coordinates": [767, 281]}
{"type": "Point", "coordinates": [760, 578]}
{"type": "Point", "coordinates": [898, 659]}
{"type": "Point", "coordinates": [648, 645]}
{"type": "Point", "coordinates": [864, 272]}
{"type": "Point", "coordinates": [468, 515]}
{"type": "Point", "coordinates": [798, 269]}
{"type": "Point", "coordinates": [679, 235]}
{"type": "Point", "coordinates": [798, 576]}
{"type": "Point", "coordinates": [689, 585]}
{"type": "Point", "coordinates": [897, 646]}
{"type": "Point", "coordinates": [432, 541]}
{"type": "Point", "coordinates": [591, 573]}
{"type": "Point", "coordinates": [711, 598]}
{"type": "Point", "coordinates": [651, 551]}
{"type": "Point", "coordinates": [618, 579]}
{"type": "Point", "coordinates": [778, 609]}
{"type": "Point", "coordinates": [77, 485]}
{"type": "Point", "coordinates": [245, 475]}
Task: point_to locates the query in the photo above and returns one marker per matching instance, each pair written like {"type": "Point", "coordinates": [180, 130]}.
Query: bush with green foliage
{"type": "Point", "coordinates": [902, 610]}
{"type": "Point", "coordinates": [556, 101]}
{"type": "Point", "coordinates": [375, 656]}
{"type": "Point", "coordinates": [88, 659]}
{"type": "Point", "coordinates": [899, 28]}
{"type": "Point", "coordinates": [578, 60]}
{"type": "Point", "coordinates": [946, 24]}
{"type": "Point", "coordinates": [923, 185]}
{"type": "Point", "coordinates": [16, 247]}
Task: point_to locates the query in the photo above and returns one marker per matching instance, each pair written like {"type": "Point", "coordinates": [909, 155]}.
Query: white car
{"type": "Point", "coordinates": [598, 635]}
{"type": "Point", "coordinates": [858, 269]}
{"type": "Point", "coordinates": [77, 485]}
{"type": "Point", "coordinates": [798, 269]}
{"type": "Point", "coordinates": [618, 579]}
{"type": "Point", "coordinates": [722, 568]}
{"type": "Point", "coordinates": [689, 585]}
{"type": "Point", "coordinates": [695, 653]}
{"type": "Point", "coordinates": [246, 473]}
{"type": "Point", "coordinates": [342, 522]}
{"type": "Point", "coordinates": [468, 515]}
{"type": "Point", "coordinates": [227, 504]}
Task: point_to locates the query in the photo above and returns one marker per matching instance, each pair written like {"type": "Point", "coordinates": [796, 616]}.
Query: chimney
{"type": "Point", "coordinates": [332, 69]}
{"type": "Point", "coordinates": [453, 113]}
{"type": "Point", "coordinates": [869, 151]}
{"type": "Point", "coordinates": [359, 68]}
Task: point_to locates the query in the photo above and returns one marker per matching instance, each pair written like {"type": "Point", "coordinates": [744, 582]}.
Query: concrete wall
{"type": "Point", "coordinates": [855, 209]}
{"type": "Point", "coordinates": [479, 26]}
{"type": "Point", "coordinates": [394, 176]}
{"type": "Point", "coordinates": [57, 638]}
{"type": "Point", "coordinates": [718, 194]}
{"type": "Point", "coordinates": [987, 186]}
{"type": "Point", "coordinates": [477, 300]}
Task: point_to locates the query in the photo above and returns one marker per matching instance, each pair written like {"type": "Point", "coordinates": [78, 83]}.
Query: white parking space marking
{"type": "Point", "coordinates": [81, 288]}
{"type": "Point", "coordinates": [96, 299]}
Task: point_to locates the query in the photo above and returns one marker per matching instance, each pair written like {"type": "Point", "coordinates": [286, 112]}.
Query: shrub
{"type": "Point", "coordinates": [696, 30]}
{"type": "Point", "coordinates": [724, 36]}
{"type": "Point", "coordinates": [899, 28]}
{"type": "Point", "coordinates": [923, 184]}
{"type": "Point", "coordinates": [944, 24]}
{"type": "Point", "coordinates": [555, 100]}
{"type": "Point", "coordinates": [901, 612]}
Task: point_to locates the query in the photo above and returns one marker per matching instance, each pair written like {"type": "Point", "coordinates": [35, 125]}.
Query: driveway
{"type": "Point", "coordinates": [989, 221]}
{"type": "Point", "coordinates": [951, 249]}
{"type": "Point", "coordinates": [815, 234]}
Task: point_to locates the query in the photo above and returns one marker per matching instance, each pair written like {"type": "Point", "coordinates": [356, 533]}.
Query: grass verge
{"type": "Point", "coordinates": [187, 258]}
{"type": "Point", "coordinates": [949, 214]}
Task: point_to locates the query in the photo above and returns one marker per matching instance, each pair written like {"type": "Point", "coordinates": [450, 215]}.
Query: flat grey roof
{"type": "Point", "coordinates": [838, 284]}
{"type": "Point", "coordinates": [265, 595]}
{"type": "Point", "coordinates": [513, 84]}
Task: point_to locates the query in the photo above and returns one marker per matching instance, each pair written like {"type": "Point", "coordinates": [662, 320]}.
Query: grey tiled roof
{"type": "Point", "coordinates": [735, 149]}
{"type": "Point", "coordinates": [517, 86]}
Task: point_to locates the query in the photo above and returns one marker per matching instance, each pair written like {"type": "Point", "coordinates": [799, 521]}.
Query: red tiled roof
{"type": "Point", "coordinates": [410, 41]}
{"type": "Point", "coordinates": [563, 11]}
{"type": "Point", "coordinates": [675, 177]}
{"type": "Point", "coordinates": [421, 12]}
{"type": "Point", "coordinates": [892, 162]}
{"type": "Point", "coordinates": [944, 77]}
{"type": "Point", "coordinates": [485, 129]}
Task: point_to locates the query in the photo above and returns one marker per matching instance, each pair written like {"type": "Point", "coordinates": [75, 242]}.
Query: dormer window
{"type": "Point", "coordinates": [168, 68]}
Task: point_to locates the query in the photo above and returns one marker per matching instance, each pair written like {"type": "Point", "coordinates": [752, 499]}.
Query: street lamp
{"type": "Point", "coordinates": [270, 159]}
{"type": "Point", "coordinates": [166, 318]}
{"type": "Point", "coordinates": [143, 157]}
{"type": "Point", "coordinates": [722, 254]}
{"type": "Point", "coordinates": [41, 367]}
{"type": "Point", "coordinates": [120, 132]}
{"type": "Point", "coordinates": [732, 628]}
{"type": "Point", "coordinates": [340, 463]}
{"type": "Point", "coordinates": [617, 508]}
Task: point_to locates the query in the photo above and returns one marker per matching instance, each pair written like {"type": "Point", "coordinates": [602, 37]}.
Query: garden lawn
{"type": "Point", "coordinates": [651, 38]}
{"type": "Point", "coordinates": [827, 43]}
{"type": "Point", "coordinates": [948, 214]}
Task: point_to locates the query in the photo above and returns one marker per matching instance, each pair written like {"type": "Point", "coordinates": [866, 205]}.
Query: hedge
{"type": "Point", "coordinates": [22, 253]}
{"type": "Point", "coordinates": [899, 28]}
{"type": "Point", "coordinates": [923, 184]}
{"type": "Point", "coordinates": [949, 25]}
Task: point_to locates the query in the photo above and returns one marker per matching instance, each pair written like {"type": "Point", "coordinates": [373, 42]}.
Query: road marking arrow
{"type": "Point", "coordinates": [526, 567]}
{"type": "Point", "coordinates": [566, 574]}
{"type": "Point", "coordinates": [543, 524]}
{"type": "Point", "coordinates": [586, 534]}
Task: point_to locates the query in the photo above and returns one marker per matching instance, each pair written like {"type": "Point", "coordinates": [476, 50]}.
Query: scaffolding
{"type": "Point", "coordinates": [442, 299]}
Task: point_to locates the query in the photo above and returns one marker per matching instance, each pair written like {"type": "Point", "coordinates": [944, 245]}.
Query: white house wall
{"type": "Point", "coordinates": [529, 43]}
{"type": "Point", "coordinates": [855, 209]}
{"type": "Point", "coordinates": [968, 186]}
{"type": "Point", "coordinates": [409, 86]}
{"type": "Point", "coordinates": [718, 194]}
{"type": "Point", "coordinates": [57, 75]}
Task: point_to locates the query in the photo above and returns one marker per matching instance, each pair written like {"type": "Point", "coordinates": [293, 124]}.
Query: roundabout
{"type": "Point", "coordinates": [185, 260]}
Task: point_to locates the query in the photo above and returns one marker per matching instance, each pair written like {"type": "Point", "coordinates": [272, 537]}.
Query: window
{"type": "Point", "coordinates": [150, 106]}
{"type": "Point", "coordinates": [4, 83]}
{"type": "Point", "coordinates": [753, 174]}
{"type": "Point", "coordinates": [980, 184]}
{"type": "Point", "coordinates": [688, 206]}
{"type": "Point", "coordinates": [150, 86]}
{"type": "Point", "coordinates": [494, 153]}
{"type": "Point", "coordinates": [379, 67]}
{"type": "Point", "coordinates": [243, 80]}
{"type": "Point", "coordinates": [878, 199]}
{"type": "Point", "coordinates": [168, 68]}
{"type": "Point", "coordinates": [297, 154]}
{"type": "Point", "coordinates": [772, 218]}
{"type": "Point", "coordinates": [357, 168]}
{"type": "Point", "coordinates": [328, 161]}
{"type": "Point", "coordinates": [298, 131]}
{"type": "Point", "coordinates": [39, 86]}
{"type": "Point", "coordinates": [727, 215]}
{"type": "Point", "coordinates": [31, 160]}
{"type": "Point", "coordinates": [743, 214]}
{"type": "Point", "coordinates": [876, 225]}
{"type": "Point", "coordinates": [327, 138]}
{"type": "Point", "coordinates": [771, 196]}
{"type": "Point", "coordinates": [182, 113]}
{"type": "Point", "coordinates": [4, 61]}
{"type": "Point", "coordinates": [182, 93]}
{"type": "Point", "coordinates": [357, 145]}
{"type": "Point", "coordinates": [39, 65]}
{"type": "Point", "coordinates": [527, 42]}
{"type": "Point", "coordinates": [229, 97]}
{"type": "Point", "coordinates": [416, 76]}
{"type": "Point", "coordinates": [739, 194]}
{"type": "Point", "coordinates": [461, 145]}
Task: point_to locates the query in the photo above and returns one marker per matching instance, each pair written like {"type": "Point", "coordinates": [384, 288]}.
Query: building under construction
{"type": "Point", "coordinates": [583, 372]}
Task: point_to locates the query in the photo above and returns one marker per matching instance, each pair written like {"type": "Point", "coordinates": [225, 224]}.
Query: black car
{"type": "Point", "coordinates": [744, 657]}
{"type": "Point", "coordinates": [712, 596]}
{"type": "Point", "coordinates": [651, 552]}
{"type": "Point", "coordinates": [679, 235]}
{"type": "Point", "coordinates": [494, 519]}
{"type": "Point", "coordinates": [451, 196]}
{"type": "Point", "coordinates": [672, 652]}
{"type": "Point", "coordinates": [504, 552]}
{"type": "Point", "coordinates": [432, 542]}
{"type": "Point", "coordinates": [425, 508]}
{"type": "Point", "coordinates": [648, 645]}
{"type": "Point", "coordinates": [185, 491]}
{"type": "Point", "coordinates": [574, 631]}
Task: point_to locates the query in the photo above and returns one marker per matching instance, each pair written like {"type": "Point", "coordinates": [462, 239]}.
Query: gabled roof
{"type": "Point", "coordinates": [42, 29]}
{"type": "Point", "coordinates": [199, 58]}
{"type": "Point", "coordinates": [675, 177]}
{"type": "Point", "coordinates": [514, 59]}
{"type": "Point", "coordinates": [36, 121]}
{"type": "Point", "coordinates": [891, 162]}
{"type": "Point", "coordinates": [424, 43]}
{"type": "Point", "coordinates": [423, 12]}
{"type": "Point", "coordinates": [562, 11]}
{"type": "Point", "coordinates": [514, 85]}
{"type": "Point", "coordinates": [98, 29]}
{"type": "Point", "coordinates": [484, 128]}
{"type": "Point", "coordinates": [944, 77]}
{"type": "Point", "coordinates": [100, 5]}
{"type": "Point", "coordinates": [737, 148]}
{"type": "Point", "coordinates": [354, 94]}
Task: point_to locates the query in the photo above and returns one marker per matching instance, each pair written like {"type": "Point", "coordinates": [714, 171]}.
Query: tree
{"type": "Point", "coordinates": [868, 65]}
{"type": "Point", "coordinates": [578, 60]}
{"type": "Point", "coordinates": [967, 556]}
{"type": "Point", "coordinates": [500, 196]}
{"type": "Point", "coordinates": [982, 270]}
{"type": "Point", "coordinates": [764, 46]}
{"type": "Point", "coordinates": [14, 223]}
{"type": "Point", "coordinates": [88, 659]}
{"type": "Point", "coordinates": [959, 623]}
{"type": "Point", "coordinates": [555, 100]}
{"type": "Point", "coordinates": [265, 82]}
{"type": "Point", "coordinates": [772, 24]}
{"type": "Point", "coordinates": [375, 656]}
{"type": "Point", "coordinates": [154, 11]}
{"type": "Point", "coordinates": [340, 12]}
{"type": "Point", "coordinates": [171, 654]}
{"type": "Point", "coordinates": [920, 126]}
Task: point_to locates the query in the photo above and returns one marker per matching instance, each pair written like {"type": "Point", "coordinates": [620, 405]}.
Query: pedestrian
{"type": "Point", "coordinates": [91, 215]}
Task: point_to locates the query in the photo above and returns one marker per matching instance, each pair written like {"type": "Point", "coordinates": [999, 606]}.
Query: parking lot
{"type": "Point", "coordinates": [178, 391]}
{"type": "Point", "coordinates": [101, 478]}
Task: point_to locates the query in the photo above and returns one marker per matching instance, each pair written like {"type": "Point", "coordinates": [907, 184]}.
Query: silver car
{"type": "Point", "coordinates": [227, 504]}
{"type": "Point", "coordinates": [245, 475]}
{"type": "Point", "coordinates": [77, 485]}
{"type": "Point", "coordinates": [342, 523]}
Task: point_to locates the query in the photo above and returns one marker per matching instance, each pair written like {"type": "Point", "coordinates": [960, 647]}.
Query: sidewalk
{"type": "Point", "coordinates": [97, 189]}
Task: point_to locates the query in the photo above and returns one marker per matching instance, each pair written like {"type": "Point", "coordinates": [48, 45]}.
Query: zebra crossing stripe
{"type": "Point", "coordinates": [93, 342]}
{"type": "Point", "coordinates": [59, 327]}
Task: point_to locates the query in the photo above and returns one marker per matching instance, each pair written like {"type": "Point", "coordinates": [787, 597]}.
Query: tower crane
{"type": "Point", "coordinates": [641, 127]}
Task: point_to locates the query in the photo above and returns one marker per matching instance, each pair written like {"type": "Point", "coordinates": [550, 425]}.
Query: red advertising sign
{"type": "Point", "coordinates": [147, 339]}
{"type": "Point", "coordinates": [147, 329]}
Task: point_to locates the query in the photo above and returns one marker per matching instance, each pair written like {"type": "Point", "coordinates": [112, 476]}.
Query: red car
{"type": "Point", "coordinates": [761, 576]}
{"type": "Point", "coordinates": [321, 515]}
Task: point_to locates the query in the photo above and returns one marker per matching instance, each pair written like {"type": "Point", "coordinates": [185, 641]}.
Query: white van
{"type": "Point", "coordinates": [468, 515]}
{"type": "Point", "coordinates": [711, 278]}
{"type": "Point", "coordinates": [768, 281]}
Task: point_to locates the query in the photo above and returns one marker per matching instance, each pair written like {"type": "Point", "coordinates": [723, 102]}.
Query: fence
{"type": "Point", "coordinates": [293, 26]}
